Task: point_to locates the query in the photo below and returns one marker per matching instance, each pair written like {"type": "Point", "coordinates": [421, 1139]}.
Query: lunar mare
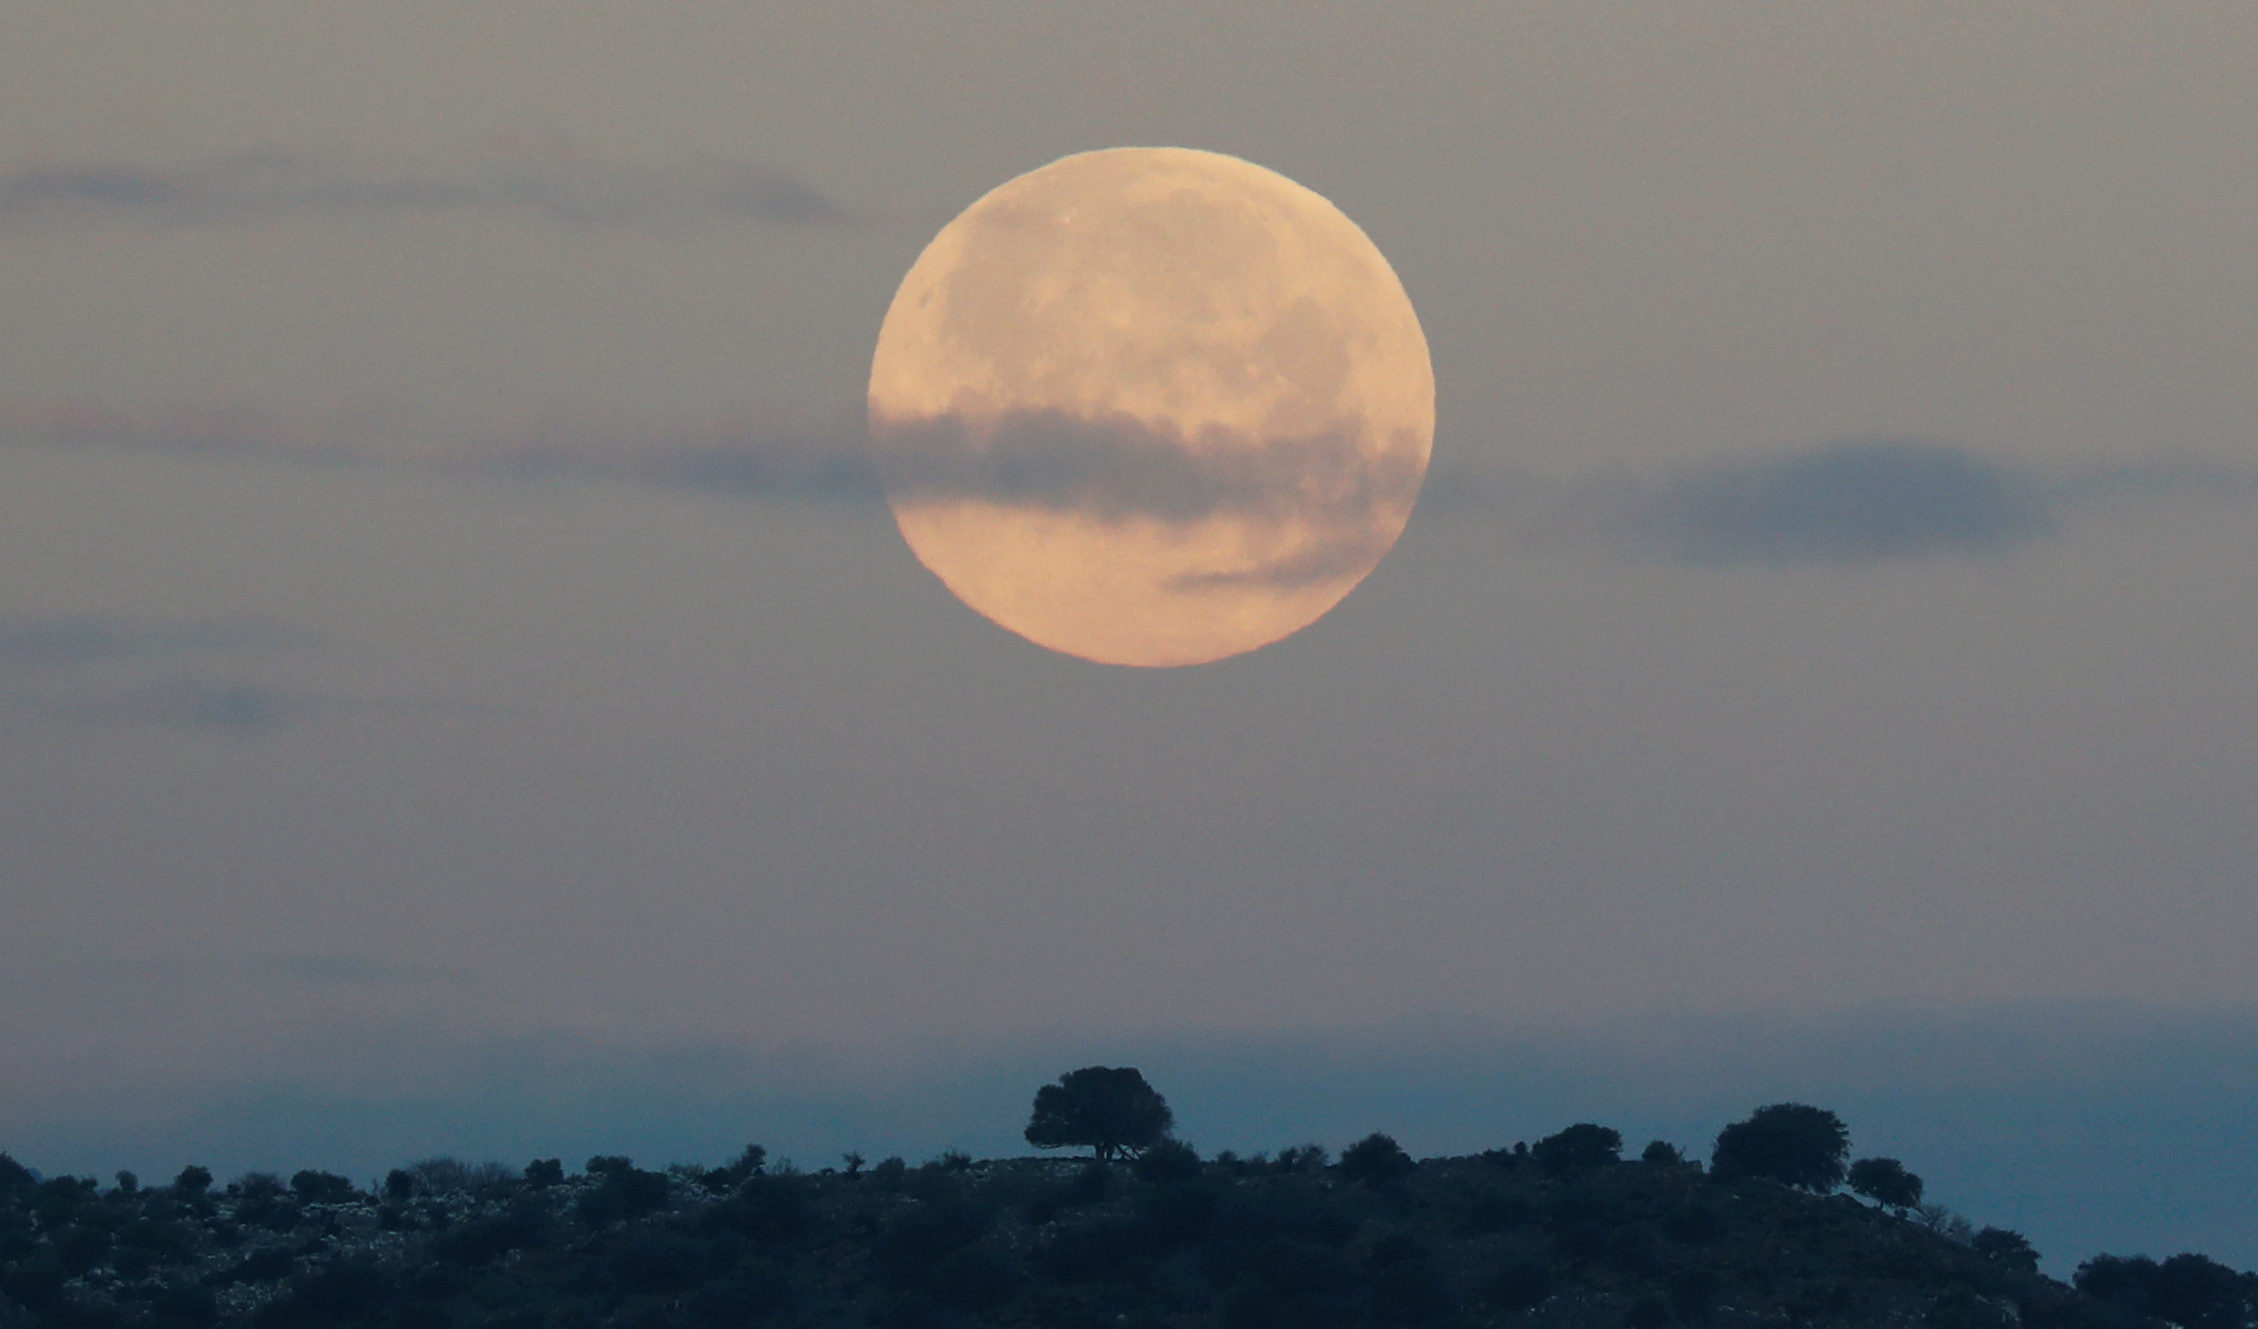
{"type": "Point", "coordinates": [1151, 406]}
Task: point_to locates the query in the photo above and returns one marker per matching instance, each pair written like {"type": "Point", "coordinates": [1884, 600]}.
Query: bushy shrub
{"type": "Point", "coordinates": [771, 1210]}
{"type": "Point", "coordinates": [262, 1199]}
{"type": "Point", "coordinates": [16, 1179]}
{"type": "Point", "coordinates": [1494, 1212]}
{"type": "Point", "coordinates": [922, 1236]}
{"type": "Point", "coordinates": [1583, 1145]}
{"type": "Point", "coordinates": [1087, 1252]}
{"type": "Point", "coordinates": [741, 1297]}
{"type": "Point", "coordinates": [81, 1247]}
{"type": "Point", "coordinates": [1375, 1158]}
{"type": "Point", "coordinates": [1090, 1184]}
{"type": "Point", "coordinates": [1406, 1289]}
{"type": "Point", "coordinates": [260, 1266]}
{"type": "Point", "coordinates": [313, 1187]}
{"type": "Point", "coordinates": [1692, 1223]}
{"type": "Point", "coordinates": [341, 1293]}
{"type": "Point", "coordinates": [1179, 1212]}
{"type": "Point", "coordinates": [440, 1175]}
{"type": "Point", "coordinates": [192, 1181]}
{"type": "Point", "coordinates": [974, 1278]}
{"type": "Point", "coordinates": [488, 1239]}
{"type": "Point", "coordinates": [1693, 1290]}
{"type": "Point", "coordinates": [2006, 1248]}
{"type": "Point", "coordinates": [751, 1161]}
{"type": "Point", "coordinates": [1945, 1223]}
{"type": "Point", "coordinates": [1169, 1160]}
{"type": "Point", "coordinates": [645, 1260]}
{"type": "Point", "coordinates": [625, 1191]}
{"type": "Point", "coordinates": [36, 1283]}
{"type": "Point", "coordinates": [1521, 1279]}
{"type": "Point", "coordinates": [58, 1199]}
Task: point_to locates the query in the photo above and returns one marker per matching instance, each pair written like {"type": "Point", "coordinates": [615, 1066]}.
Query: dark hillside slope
{"type": "Point", "coordinates": [1509, 1238]}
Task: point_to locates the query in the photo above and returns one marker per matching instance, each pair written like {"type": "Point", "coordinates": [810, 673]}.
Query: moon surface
{"type": "Point", "coordinates": [1151, 406]}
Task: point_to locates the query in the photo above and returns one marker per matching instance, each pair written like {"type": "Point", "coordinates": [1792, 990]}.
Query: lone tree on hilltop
{"type": "Point", "coordinates": [1886, 1182]}
{"type": "Point", "coordinates": [1112, 1110]}
{"type": "Point", "coordinates": [1794, 1144]}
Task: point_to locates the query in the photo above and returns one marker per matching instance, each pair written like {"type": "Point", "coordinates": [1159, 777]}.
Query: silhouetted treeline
{"type": "Point", "coordinates": [1561, 1232]}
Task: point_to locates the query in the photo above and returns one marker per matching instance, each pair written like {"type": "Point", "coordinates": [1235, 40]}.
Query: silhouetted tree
{"type": "Point", "coordinates": [1791, 1143]}
{"type": "Point", "coordinates": [2116, 1278]}
{"type": "Point", "coordinates": [1886, 1182]}
{"type": "Point", "coordinates": [15, 1178]}
{"type": "Point", "coordinates": [2190, 1290]}
{"type": "Point", "coordinates": [1662, 1153]}
{"type": "Point", "coordinates": [1112, 1110]}
{"type": "Point", "coordinates": [1376, 1157]}
{"type": "Point", "coordinates": [1582, 1145]}
{"type": "Point", "coordinates": [193, 1181]}
{"type": "Point", "coordinates": [2200, 1293]}
{"type": "Point", "coordinates": [2003, 1246]}
{"type": "Point", "coordinates": [543, 1173]}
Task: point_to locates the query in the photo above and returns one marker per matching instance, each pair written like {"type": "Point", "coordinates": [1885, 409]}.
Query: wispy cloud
{"type": "Point", "coordinates": [1844, 503]}
{"type": "Point", "coordinates": [83, 639]}
{"type": "Point", "coordinates": [343, 970]}
{"type": "Point", "coordinates": [740, 459]}
{"type": "Point", "coordinates": [211, 705]}
{"type": "Point", "coordinates": [270, 185]}
{"type": "Point", "coordinates": [171, 673]}
{"type": "Point", "coordinates": [1852, 504]}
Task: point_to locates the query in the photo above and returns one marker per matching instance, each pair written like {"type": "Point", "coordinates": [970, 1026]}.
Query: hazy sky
{"type": "Point", "coordinates": [443, 606]}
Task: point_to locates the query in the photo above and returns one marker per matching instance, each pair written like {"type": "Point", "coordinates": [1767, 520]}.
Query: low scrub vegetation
{"type": "Point", "coordinates": [1562, 1233]}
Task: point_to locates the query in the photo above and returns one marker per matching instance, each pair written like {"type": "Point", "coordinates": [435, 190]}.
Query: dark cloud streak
{"type": "Point", "coordinates": [1852, 503]}
{"type": "Point", "coordinates": [108, 670]}
{"type": "Point", "coordinates": [1119, 468]}
{"type": "Point", "coordinates": [276, 185]}
{"type": "Point", "coordinates": [75, 640]}
{"type": "Point", "coordinates": [212, 705]}
{"type": "Point", "coordinates": [1846, 503]}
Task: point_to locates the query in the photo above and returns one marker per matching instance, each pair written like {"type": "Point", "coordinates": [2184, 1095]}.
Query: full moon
{"type": "Point", "coordinates": [1151, 406]}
